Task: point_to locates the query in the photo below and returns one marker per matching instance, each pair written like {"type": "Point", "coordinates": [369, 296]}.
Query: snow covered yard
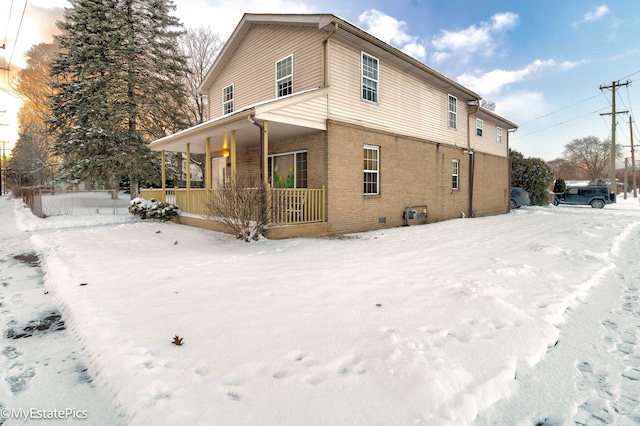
{"type": "Point", "coordinates": [418, 325]}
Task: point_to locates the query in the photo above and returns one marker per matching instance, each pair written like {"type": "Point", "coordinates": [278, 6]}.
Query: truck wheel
{"type": "Point", "coordinates": [597, 204]}
{"type": "Point", "coordinates": [555, 202]}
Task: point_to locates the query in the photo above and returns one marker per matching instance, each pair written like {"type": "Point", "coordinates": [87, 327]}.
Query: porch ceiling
{"type": "Point", "coordinates": [283, 122]}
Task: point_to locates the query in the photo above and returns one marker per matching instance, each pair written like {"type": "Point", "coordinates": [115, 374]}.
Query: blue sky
{"type": "Point", "coordinates": [542, 62]}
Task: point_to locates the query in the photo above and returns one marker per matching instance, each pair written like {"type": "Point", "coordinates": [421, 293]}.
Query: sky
{"type": "Point", "coordinates": [484, 321]}
{"type": "Point", "coordinates": [547, 65]}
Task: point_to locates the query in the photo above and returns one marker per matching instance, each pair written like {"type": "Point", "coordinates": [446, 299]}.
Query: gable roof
{"type": "Point", "coordinates": [336, 27]}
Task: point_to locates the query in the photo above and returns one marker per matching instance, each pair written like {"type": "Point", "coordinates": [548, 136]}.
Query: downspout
{"type": "Point", "coordinates": [325, 70]}
{"type": "Point", "coordinates": [469, 151]}
{"type": "Point", "coordinates": [262, 171]}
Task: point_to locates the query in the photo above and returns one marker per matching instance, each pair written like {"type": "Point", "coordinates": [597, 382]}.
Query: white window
{"type": "Point", "coordinates": [284, 76]}
{"type": "Point", "coordinates": [453, 112]}
{"type": "Point", "coordinates": [478, 127]}
{"type": "Point", "coordinates": [455, 168]}
{"type": "Point", "coordinates": [371, 169]}
{"type": "Point", "coordinates": [227, 99]}
{"type": "Point", "coordinates": [288, 170]}
{"type": "Point", "coordinates": [499, 134]}
{"type": "Point", "coordinates": [369, 78]}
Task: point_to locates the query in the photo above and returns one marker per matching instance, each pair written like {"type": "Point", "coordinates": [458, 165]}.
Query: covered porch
{"type": "Point", "coordinates": [237, 146]}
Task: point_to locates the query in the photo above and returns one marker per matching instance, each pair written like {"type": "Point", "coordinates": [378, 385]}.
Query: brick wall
{"type": "Point", "coordinates": [413, 172]}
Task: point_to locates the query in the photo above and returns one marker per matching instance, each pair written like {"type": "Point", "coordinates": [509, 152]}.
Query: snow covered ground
{"type": "Point", "coordinates": [526, 318]}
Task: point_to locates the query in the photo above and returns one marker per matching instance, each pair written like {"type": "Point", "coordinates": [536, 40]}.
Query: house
{"type": "Point", "coordinates": [365, 135]}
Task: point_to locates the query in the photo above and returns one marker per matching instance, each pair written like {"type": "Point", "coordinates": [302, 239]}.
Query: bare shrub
{"type": "Point", "coordinates": [243, 207]}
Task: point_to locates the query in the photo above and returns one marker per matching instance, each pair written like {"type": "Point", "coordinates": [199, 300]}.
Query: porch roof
{"type": "Point", "coordinates": [288, 116]}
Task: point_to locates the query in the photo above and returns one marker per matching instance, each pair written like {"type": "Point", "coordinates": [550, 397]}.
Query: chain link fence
{"type": "Point", "coordinates": [43, 202]}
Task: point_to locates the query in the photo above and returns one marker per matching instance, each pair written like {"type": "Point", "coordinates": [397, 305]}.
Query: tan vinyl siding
{"type": "Point", "coordinates": [252, 68]}
{"type": "Point", "coordinates": [311, 113]}
{"type": "Point", "coordinates": [487, 142]}
{"type": "Point", "coordinates": [406, 105]}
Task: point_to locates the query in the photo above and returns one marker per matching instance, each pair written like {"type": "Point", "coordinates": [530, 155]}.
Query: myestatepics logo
{"type": "Point", "coordinates": [42, 414]}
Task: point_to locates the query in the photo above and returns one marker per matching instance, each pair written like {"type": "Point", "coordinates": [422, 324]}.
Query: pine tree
{"type": "Point", "coordinates": [118, 87]}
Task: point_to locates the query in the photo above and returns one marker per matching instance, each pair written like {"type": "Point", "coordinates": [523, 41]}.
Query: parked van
{"type": "Point", "coordinates": [595, 196]}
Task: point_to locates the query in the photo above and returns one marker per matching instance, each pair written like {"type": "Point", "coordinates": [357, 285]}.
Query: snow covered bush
{"type": "Point", "coordinates": [243, 207]}
{"type": "Point", "coordinates": [153, 209]}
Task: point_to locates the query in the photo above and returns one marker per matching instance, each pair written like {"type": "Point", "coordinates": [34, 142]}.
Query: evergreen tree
{"type": "Point", "coordinates": [559, 185]}
{"type": "Point", "coordinates": [118, 87]}
{"type": "Point", "coordinates": [533, 175]}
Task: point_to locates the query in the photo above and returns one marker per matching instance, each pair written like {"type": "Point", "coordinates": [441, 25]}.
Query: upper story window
{"type": "Point", "coordinates": [371, 169]}
{"type": "Point", "coordinates": [227, 99]}
{"type": "Point", "coordinates": [369, 78]}
{"type": "Point", "coordinates": [478, 127]}
{"type": "Point", "coordinates": [499, 134]}
{"type": "Point", "coordinates": [455, 174]}
{"type": "Point", "coordinates": [284, 76]}
{"type": "Point", "coordinates": [453, 112]}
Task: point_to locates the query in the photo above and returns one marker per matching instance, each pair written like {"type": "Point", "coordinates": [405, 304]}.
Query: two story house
{"type": "Point", "coordinates": [366, 135]}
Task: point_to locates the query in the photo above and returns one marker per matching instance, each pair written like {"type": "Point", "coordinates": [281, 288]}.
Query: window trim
{"type": "Point", "coordinates": [288, 76]}
{"type": "Point", "coordinates": [455, 174]}
{"type": "Point", "coordinates": [376, 171]}
{"type": "Point", "coordinates": [499, 135]}
{"type": "Point", "coordinates": [376, 81]}
{"type": "Point", "coordinates": [479, 127]}
{"type": "Point", "coordinates": [226, 101]}
{"type": "Point", "coordinates": [452, 113]}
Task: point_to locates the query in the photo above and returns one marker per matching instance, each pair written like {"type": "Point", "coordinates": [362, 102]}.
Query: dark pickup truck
{"type": "Point", "coordinates": [595, 196]}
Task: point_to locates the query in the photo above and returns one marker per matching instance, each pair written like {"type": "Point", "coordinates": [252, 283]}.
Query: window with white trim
{"type": "Point", "coordinates": [453, 112]}
{"type": "Point", "coordinates": [284, 76]}
{"type": "Point", "coordinates": [371, 169]}
{"type": "Point", "coordinates": [478, 127]}
{"type": "Point", "coordinates": [227, 99]}
{"type": "Point", "coordinates": [369, 78]}
{"type": "Point", "coordinates": [455, 174]}
{"type": "Point", "coordinates": [288, 170]}
{"type": "Point", "coordinates": [499, 134]}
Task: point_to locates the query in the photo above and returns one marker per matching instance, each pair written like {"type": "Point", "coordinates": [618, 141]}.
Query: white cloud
{"type": "Point", "coordinates": [596, 14]}
{"type": "Point", "coordinates": [522, 107]}
{"type": "Point", "coordinates": [223, 16]}
{"type": "Point", "coordinates": [592, 16]}
{"type": "Point", "coordinates": [476, 38]}
{"type": "Point", "coordinates": [492, 82]}
{"type": "Point", "coordinates": [392, 31]}
{"type": "Point", "coordinates": [567, 65]}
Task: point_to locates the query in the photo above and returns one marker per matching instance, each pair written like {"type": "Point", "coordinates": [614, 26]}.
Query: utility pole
{"type": "Point", "coordinates": [613, 87]}
{"type": "Point", "coordinates": [633, 159]}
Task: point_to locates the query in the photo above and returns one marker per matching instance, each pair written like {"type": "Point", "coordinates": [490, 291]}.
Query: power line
{"type": "Point", "coordinates": [4, 42]}
{"type": "Point", "coordinates": [516, 136]}
{"type": "Point", "coordinates": [561, 109]}
{"type": "Point", "coordinates": [15, 42]}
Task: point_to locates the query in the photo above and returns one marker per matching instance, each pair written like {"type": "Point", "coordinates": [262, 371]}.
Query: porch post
{"type": "Point", "coordinates": [232, 154]}
{"type": "Point", "coordinates": [265, 153]}
{"type": "Point", "coordinates": [207, 165]}
{"type": "Point", "coordinates": [188, 171]}
{"type": "Point", "coordinates": [163, 197]}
